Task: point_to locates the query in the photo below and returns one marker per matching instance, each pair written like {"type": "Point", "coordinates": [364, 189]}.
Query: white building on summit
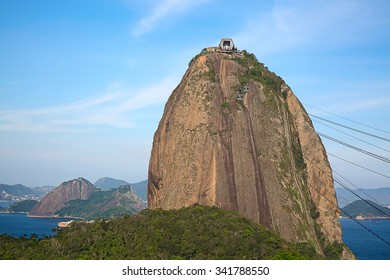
{"type": "Point", "coordinates": [227, 45]}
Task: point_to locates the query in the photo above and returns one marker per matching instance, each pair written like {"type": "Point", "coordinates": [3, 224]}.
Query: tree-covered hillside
{"type": "Point", "coordinates": [17, 193]}
{"type": "Point", "coordinates": [104, 204]}
{"type": "Point", "coordinates": [197, 232]}
{"type": "Point", "coordinates": [106, 183]}
{"type": "Point", "coordinates": [22, 206]}
{"type": "Point", "coordinates": [380, 195]}
{"type": "Point", "coordinates": [365, 209]}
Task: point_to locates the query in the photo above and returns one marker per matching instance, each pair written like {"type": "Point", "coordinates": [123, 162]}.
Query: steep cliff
{"type": "Point", "coordinates": [57, 198]}
{"type": "Point", "coordinates": [234, 135]}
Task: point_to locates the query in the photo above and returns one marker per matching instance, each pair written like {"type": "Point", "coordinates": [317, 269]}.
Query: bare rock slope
{"type": "Point", "coordinates": [57, 198]}
{"type": "Point", "coordinates": [234, 135]}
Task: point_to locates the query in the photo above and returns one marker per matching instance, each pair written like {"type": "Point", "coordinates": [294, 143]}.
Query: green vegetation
{"type": "Point", "coordinates": [22, 206]}
{"type": "Point", "coordinates": [364, 209]}
{"type": "Point", "coordinates": [297, 153]}
{"type": "Point", "coordinates": [258, 72]}
{"type": "Point", "coordinates": [332, 251]}
{"type": "Point", "coordinates": [225, 105]}
{"type": "Point", "coordinates": [211, 75]}
{"type": "Point", "coordinates": [103, 204]}
{"type": "Point", "coordinates": [197, 232]}
{"type": "Point", "coordinates": [197, 56]}
{"type": "Point", "coordinates": [314, 213]}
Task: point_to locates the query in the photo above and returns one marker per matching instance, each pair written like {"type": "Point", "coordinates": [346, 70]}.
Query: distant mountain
{"type": "Point", "coordinates": [103, 204]}
{"type": "Point", "coordinates": [44, 190]}
{"type": "Point", "coordinates": [381, 195]}
{"type": "Point", "coordinates": [140, 189]}
{"type": "Point", "coordinates": [56, 199]}
{"type": "Point", "coordinates": [16, 193]}
{"type": "Point", "coordinates": [106, 183]}
{"type": "Point", "coordinates": [363, 209]}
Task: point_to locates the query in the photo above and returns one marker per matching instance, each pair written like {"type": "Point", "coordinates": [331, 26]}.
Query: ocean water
{"type": "Point", "coordinates": [19, 225]}
{"type": "Point", "coordinates": [362, 243]}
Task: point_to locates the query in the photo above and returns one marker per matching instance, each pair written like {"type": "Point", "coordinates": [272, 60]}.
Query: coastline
{"type": "Point", "coordinates": [363, 218]}
{"type": "Point", "coordinates": [19, 224]}
{"type": "Point", "coordinates": [44, 217]}
{"type": "Point", "coordinates": [55, 217]}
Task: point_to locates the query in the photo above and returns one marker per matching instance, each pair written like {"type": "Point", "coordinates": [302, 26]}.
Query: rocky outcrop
{"type": "Point", "coordinates": [319, 173]}
{"type": "Point", "coordinates": [115, 202]}
{"type": "Point", "coordinates": [234, 135]}
{"type": "Point", "coordinates": [57, 198]}
{"type": "Point", "coordinates": [106, 183]}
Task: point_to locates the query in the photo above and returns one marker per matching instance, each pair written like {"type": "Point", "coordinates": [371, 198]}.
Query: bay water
{"type": "Point", "coordinates": [364, 244]}
{"type": "Point", "coordinates": [19, 224]}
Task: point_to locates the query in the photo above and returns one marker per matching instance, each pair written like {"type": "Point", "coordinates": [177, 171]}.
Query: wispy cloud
{"type": "Point", "coordinates": [308, 23]}
{"type": "Point", "coordinates": [360, 105]}
{"type": "Point", "coordinates": [11, 83]}
{"type": "Point", "coordinates": [109, 109]}
{"type": "Point", "coordinates": [163, 10]}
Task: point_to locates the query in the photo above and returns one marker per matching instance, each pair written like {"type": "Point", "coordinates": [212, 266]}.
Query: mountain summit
{"type": "Point", "coordinates": [234, 135]}
{"type": "Point", "coordinates": [56, 199]}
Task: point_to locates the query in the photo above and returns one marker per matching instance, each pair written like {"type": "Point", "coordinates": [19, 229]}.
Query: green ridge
{"type": "Point", "coordinates": [197, 232]}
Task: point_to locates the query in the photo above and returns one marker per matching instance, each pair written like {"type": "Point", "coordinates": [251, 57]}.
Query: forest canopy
{"type": "Point", "coordinates": [196, 232]}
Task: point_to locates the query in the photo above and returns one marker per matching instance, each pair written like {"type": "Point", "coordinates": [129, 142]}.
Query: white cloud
{"type": "Point", "coordinates": [109, 109]}
{"type": "Point", "coordinates": [360, 105]}
{"type": "Point", "coordinates": [161, 11]}
{"type": "Point", "coordinates": [67, 117]}
{"type": "Point", "coordinates": [308, 23]}
{"type": "Point", "coordinates": [150, 95]}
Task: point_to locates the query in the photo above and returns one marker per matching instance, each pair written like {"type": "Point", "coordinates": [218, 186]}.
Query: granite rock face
{"type": "Point", "coordinates": [57, 198]}
{"type": "Point", "coordinates": [234, 135]}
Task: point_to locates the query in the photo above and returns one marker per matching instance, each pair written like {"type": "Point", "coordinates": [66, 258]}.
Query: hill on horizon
{"type": "Point", "coordinates": [24, 206]}
{"type": "Point", "coordinates": [381, 195]}
{"type": "Point", "coordinates": [80, 198]}
{"type": "Point", "coordinates": [365, 210]}
{"type": "Point", "coordinates": [106, 183]}
{"type": "Point", "coordinates": [18, 192]}
{"type": "Point", "coordinates": [104, 204]}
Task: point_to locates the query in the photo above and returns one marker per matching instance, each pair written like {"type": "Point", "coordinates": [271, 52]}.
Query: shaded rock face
{"type": "Point", "coordinates": [57, 198]}
{"type": "Point", "coordinates": [319, 174]}
{"type": "Point", "coordinates": [234, 135]}
{"type": "Point", "coordinates": [106, 183]}
{"type": "Point", "coordinates": [125, 197]}
{"type": "Point", "coordinates": [104, 204]}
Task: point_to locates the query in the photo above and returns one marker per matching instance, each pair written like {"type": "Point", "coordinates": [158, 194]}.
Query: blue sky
{"type": "Point", "coordinates": [83, 83]}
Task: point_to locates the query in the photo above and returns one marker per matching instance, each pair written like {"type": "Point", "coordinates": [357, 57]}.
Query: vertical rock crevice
{"type": "Point", "coordinates": [261, 192]}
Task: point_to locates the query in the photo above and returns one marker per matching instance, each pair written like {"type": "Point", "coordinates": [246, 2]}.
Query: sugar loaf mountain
{"type": "Point", "coordinates": [236, 172]}
{"type": "Point", "coordinates": [234, 135]}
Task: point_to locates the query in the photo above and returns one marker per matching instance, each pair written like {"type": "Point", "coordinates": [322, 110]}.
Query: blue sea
{"type": "Point", "coordinates": [19, 225]}
{"type": "Point", "coordinates": [364, 244]}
